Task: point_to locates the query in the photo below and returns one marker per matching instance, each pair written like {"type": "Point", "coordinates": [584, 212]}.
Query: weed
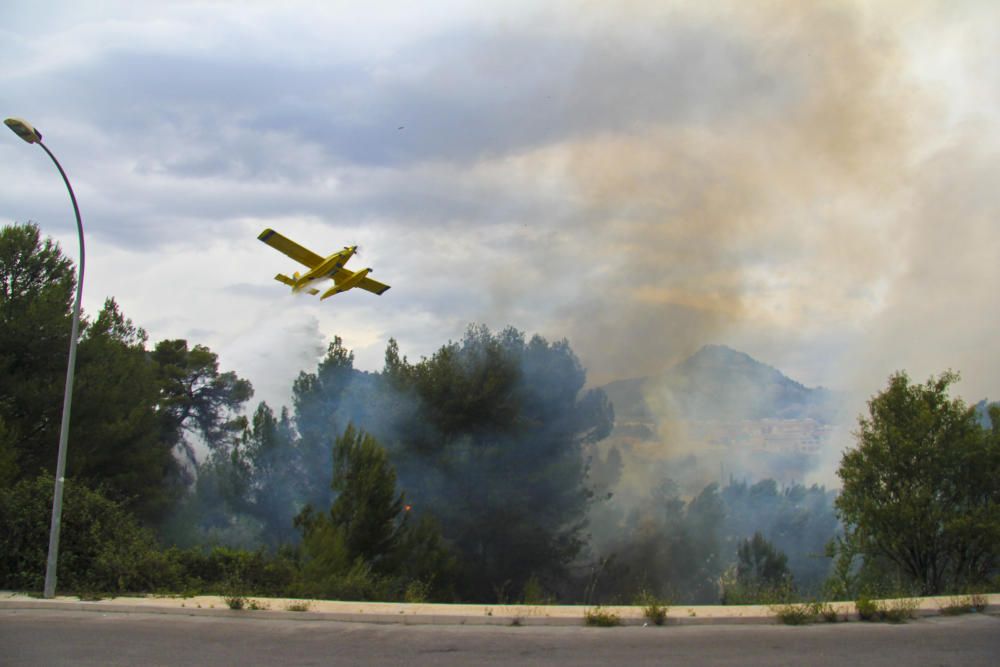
{"type": "Point", "coordinates": [516, 622]}
{"type": "Point", "coordinates": [90, 596]}
{"type": "Point", "coordinates": [257, 605]}
{"type": "Point", "coordinates": [235, 601]}
{"type": "Point", "coordinates": [601, 618]}
{"type": "Point", "coordinates": [899, 610]}
{"type": "Point", "coordinates": [892, 611]}
{"type": "Point", "coordinates": [653, 608]}
{"type": "Point", "coordinates": [299, 605]}
{"type": "Point", "coordinates": [826, 611]}
{"type": "Point", "coordinates": [502, 592]}
{"type": "Point", "coordinates": [794, 613]}
{"type": "Point", "coordinates": [416, 592]}
{"type": "Point", "coordinates": [867, 608]}
{"type": "Point", "coordinates": [964, 604]}
{"type": "Point", "coordinates": [800, 613]}
{"type": "Point", "coordinates": [533, 592]}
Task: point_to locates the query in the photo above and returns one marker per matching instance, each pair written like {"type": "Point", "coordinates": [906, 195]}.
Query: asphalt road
{"type": "Point", "coordinates": [54, 637]}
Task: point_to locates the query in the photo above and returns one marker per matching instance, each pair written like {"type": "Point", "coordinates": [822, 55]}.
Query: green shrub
{"type": "Point", "coordinates": [358, 582]}
{"type": "Point", "coordinates": [102, 547]}
{"type": "Point", "coordinates": [219, 569]}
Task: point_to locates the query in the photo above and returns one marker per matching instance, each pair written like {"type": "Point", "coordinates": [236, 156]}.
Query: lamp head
{"type": "Point", "coordinates": [23, 129]}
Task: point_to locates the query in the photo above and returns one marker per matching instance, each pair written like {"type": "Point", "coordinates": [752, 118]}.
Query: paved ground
{"type": "Point", "coordinates": [71, 637]}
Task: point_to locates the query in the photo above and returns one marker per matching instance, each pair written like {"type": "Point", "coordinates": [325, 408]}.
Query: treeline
{"type": "Point", "coordinates": [470, 475]}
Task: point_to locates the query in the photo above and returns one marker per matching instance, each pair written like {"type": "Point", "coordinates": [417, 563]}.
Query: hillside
{"type": "Point", "coordinates": [718, 383]}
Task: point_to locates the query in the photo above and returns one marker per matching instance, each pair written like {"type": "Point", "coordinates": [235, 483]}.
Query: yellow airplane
{"type": "Point", "coordinates": [321, 268]}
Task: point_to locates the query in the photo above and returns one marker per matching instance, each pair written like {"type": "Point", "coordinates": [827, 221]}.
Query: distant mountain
{"type": "Point", "coordinates": [719, 383]}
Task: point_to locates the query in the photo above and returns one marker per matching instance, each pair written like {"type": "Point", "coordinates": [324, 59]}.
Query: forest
{"type": "Point", "coordinates": [474, 474]}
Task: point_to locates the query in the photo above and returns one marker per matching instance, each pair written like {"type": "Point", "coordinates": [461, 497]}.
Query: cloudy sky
{"type": "Point", "coordinates": [814, 183]}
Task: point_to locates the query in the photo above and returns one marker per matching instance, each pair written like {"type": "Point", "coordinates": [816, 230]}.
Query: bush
{"type": "Point", "coordinates": [356, 583]}
{"type": "Point", "coordinates": [227, 570]}
{"type": "Point", "coordinates": [102, 548]}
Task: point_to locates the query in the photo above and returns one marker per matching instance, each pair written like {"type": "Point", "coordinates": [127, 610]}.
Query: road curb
{"type": "Point", "coordinates": [400, 618]}
{"type": "Point", "coordinates": [435, 614]}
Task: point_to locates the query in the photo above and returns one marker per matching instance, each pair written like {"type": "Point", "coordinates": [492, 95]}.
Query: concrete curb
{"type": "Point", "coordinates": [439, 614]}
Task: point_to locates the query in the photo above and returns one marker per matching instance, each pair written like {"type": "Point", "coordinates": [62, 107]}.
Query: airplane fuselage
{"type": "Point", "coordinates": [324, 270]}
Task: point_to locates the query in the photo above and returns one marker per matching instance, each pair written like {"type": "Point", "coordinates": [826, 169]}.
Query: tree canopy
{"type": "Point", "coordinates": [36, 292]}
{"type": "Point", "coordinates": [131, 409]}
{"type": "Point", "coordinates": [921, 491]}
{"type": "Point", "coordinates": [488, 436]}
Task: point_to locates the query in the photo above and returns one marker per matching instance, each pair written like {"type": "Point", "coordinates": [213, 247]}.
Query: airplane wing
{"type": "Point", "coordinates": [366, 283]}
{"type": "Point", "coordinates": [290, 248]}
{"type": "Point", "coordinates": [373, 286]}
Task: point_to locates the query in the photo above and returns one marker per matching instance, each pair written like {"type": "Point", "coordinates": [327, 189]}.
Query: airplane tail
{"type": "Point", "coordinates": [282, 278]}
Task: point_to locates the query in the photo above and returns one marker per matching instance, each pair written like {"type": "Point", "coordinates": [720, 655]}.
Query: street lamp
{"type": "Point", "coordinates": [23, 129]}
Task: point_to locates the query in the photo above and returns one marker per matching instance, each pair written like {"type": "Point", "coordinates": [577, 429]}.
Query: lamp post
{"type": "Point", "coordinates": [23, 129]}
